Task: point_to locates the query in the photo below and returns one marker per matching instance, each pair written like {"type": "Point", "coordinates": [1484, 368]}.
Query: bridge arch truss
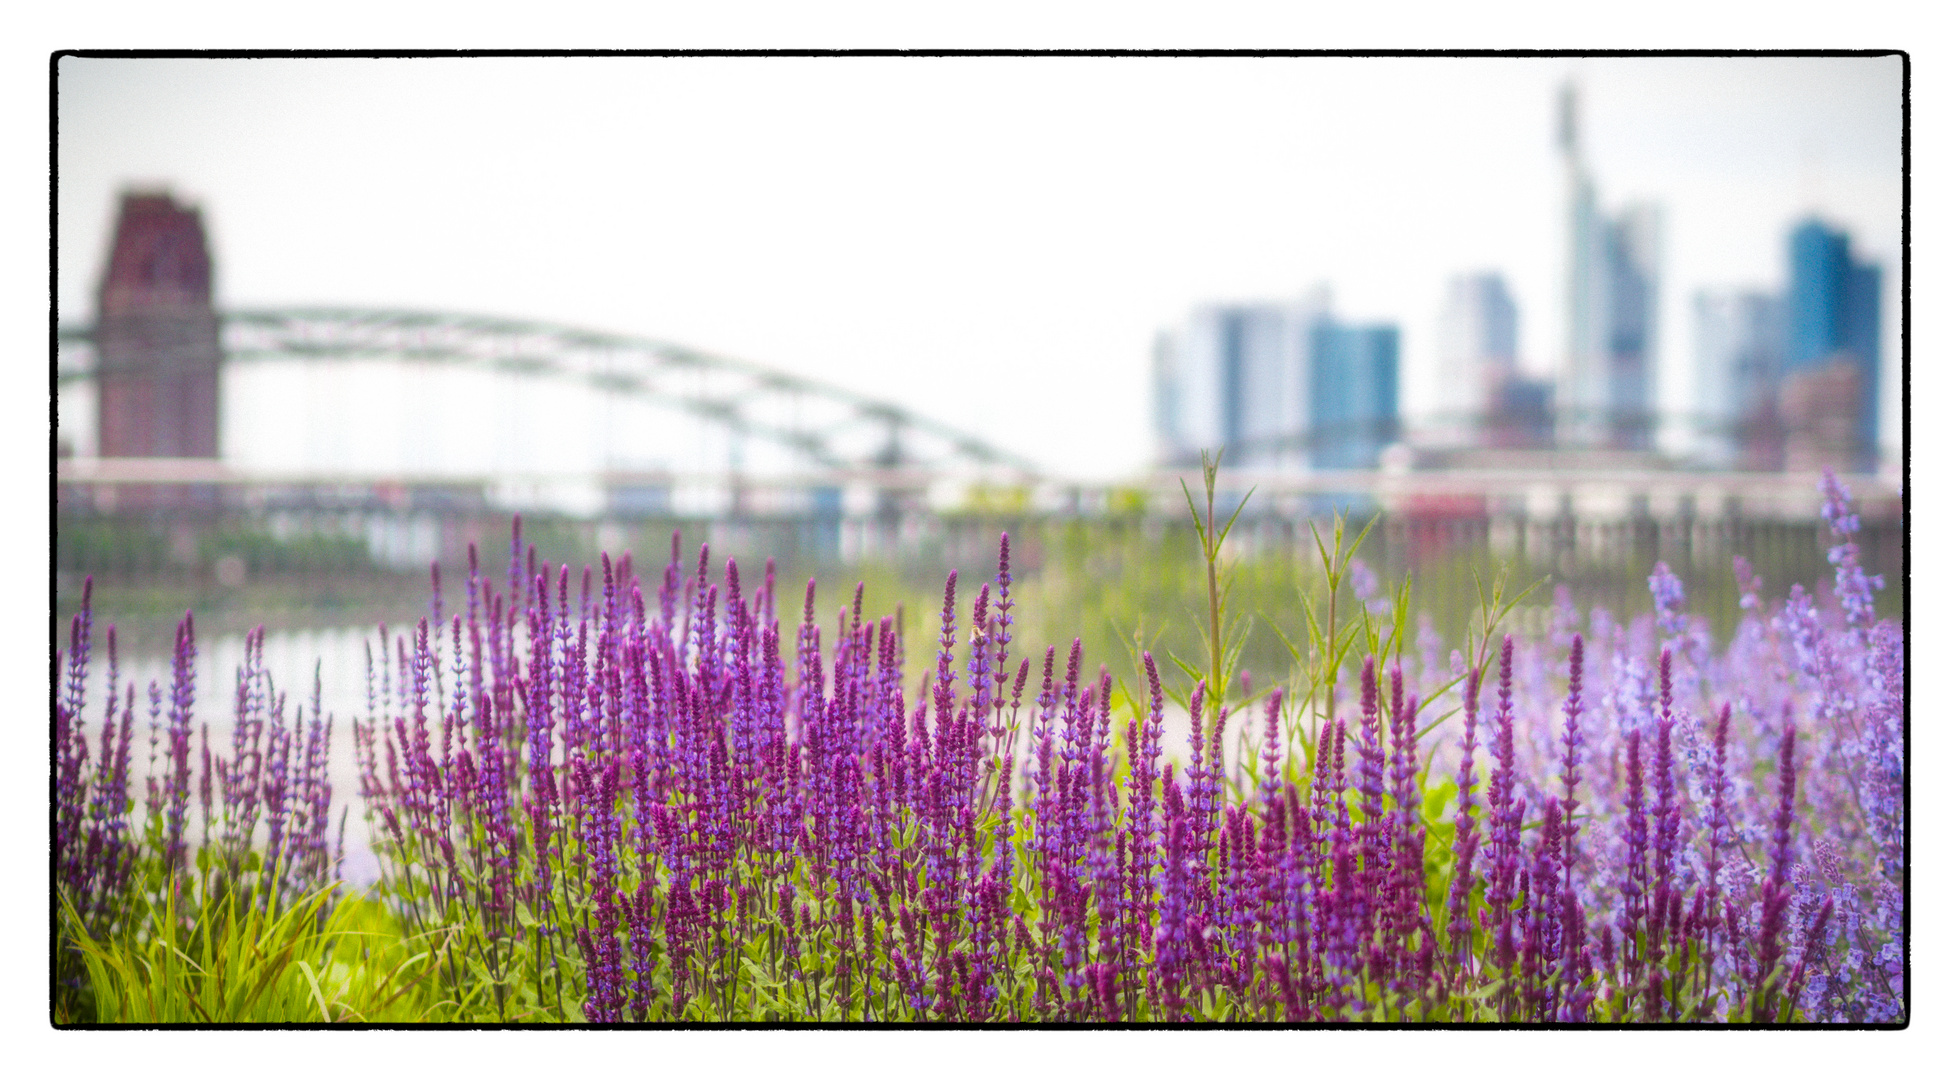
{"type": "Point", "coordinates": [826, 430]}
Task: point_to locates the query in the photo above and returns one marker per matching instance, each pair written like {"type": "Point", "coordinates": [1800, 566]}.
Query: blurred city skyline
{"type": "Point", "coordinates": [991, 242]}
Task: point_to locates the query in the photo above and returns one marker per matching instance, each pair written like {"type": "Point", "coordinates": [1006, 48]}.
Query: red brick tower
{"type": "Point", "coordinates": [157, 336]}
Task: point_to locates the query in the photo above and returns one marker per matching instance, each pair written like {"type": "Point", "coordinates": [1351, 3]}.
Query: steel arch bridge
{"type": "Point", "coordinates": [825, 427]}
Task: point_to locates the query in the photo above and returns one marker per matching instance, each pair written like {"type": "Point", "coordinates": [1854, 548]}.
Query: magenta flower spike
{"type": "Point", "coordinates": [1573, 740]}
{"type": "Point", "coordinates": [1466, 827]}
{"type": "Point", "coordinates": [1775, 903]}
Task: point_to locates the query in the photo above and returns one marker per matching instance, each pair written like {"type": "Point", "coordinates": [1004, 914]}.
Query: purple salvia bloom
{"type": "Point", "coordinates": [1073, 729]}
{"type": "Point", "coordinates": [809, 662]}
{"type": "Point", "coordinates": [1343, 918]}
{"type": "Point", "coordinates": [1296, 936]}
{"type": "Point", "coordinates": [1172, 943]}
{"type": "Point", "coordinates": [71, 753]}
{"type": "Point", "coordinates": [542, 799]}
{"type": "Point", "coordinates": [435, 594]}
{"type": "Point", "coordinates": [980, 673]}
{"type": "Point", "coordinates": [1717, 817]}
{"type": "Point", "coordinates": [1271, 808]}
{"type": "Point", "coordinates": [1104, 862]}
{"type": "Point", "coordinates": [1667, 815]}
{"type": "Point", "coordinates": [1748, 584]}
{"type": "Point", "coordinates": [95, 882]}
{"type": "Point", "coordinates": [1409, 829]}
{"type": "Point", "coordinates": [1576, 993]}
{"type": "Point", "coordinates": [1195, 770]}
{"type": "Point", "coordinates": [1144, 830]}
{"type": "Point", "coordinates": [1045, 702]}
{"type": "Point", "coordinates": [1506, 814]}
{"type": "Point", "coordinates": [1880, 752]}
{"type": "Point", "coordinates": [182, 697]}
{"type": "Point", "coordinates": [1544, 904]}
{"type": "Point", "coordinates": [670, 591]}
{"type": "Point", "coordinates": [1814, 940]}
{"type": "Point", "coordinates": [639, 936]}
{"type": "Point", "coordinates": [1466, 826]}
{"type": "Point", "coordinates": [1328, 813]}
{"type": "Point", "coordinates": [1633, 887]}
{"type": "Point", "coordinates": [1670, 599]}
{"type": "Point", "coordinates": [1572, 741]}
{"type": "Point", "coordinates": [80, 638]}
{"type": "Point", "coordinates": [278, 754]}
{"type": "Point", "coordinates": [1776, 892]}
{"type": "Point", "coordinates": [1321, 810]}
{"type": "Point", "coordinates": [948, 640]}
{"type": "Point", "coordinates": [153, 795]}
{"type": "Point", "coordinates": [1215, 773]}
{"type": "Point", "coordinates": [1003, 623]}
{"type": "Point", "coordinates": [1854, 587]}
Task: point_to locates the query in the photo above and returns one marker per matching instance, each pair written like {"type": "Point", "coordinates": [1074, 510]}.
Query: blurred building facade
{"type": "Point", "coordinates": [1220, 384]}
{"type": "Point", "coordinates": [1476, 347]}
{"type": "Point", "coordinates": [1276, 387]}
{"type": "Point", "coordinates": [1780, 379]}
{"type": "Point", "coordinates": [1482, 397]}
{"type": "Point", "coordinates": [1353, 393]}
{"type": "Point", "coordinates": [1790, 380]}
{"type": "Point", "coordinates": [1739, 346]}
{"type": "Point", "coordinates": [1606, 390]}
{"type": "Point", "coordinates": [157, 335]}
{"type": "Point", "coordinates": [1830, 369]}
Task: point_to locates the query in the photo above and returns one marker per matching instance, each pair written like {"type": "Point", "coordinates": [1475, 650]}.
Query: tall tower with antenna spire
{"type": "Point", "coordinates": [1579, 393]}
{"type": "Point", "coordinates": [1605, 395]}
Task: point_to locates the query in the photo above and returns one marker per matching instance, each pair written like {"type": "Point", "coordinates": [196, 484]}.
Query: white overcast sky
{"type": "Point", "coordinates": [989, 241]}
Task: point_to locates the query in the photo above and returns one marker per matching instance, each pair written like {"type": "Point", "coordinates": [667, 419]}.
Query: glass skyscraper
{"type": "Point", "coordinates": [1477, 352]}
{"type": "Point", "coordinates": [1222, 386]}
{"type": "Point", "coordinates": [1739, 348]}
{"type": "Point", "coordinates": [1352, 393]}
{"type": "Point", "coordinates": [1833, 320]}
{"type": "Point", "coordinates": [1606, 390]}
{"type": "Point", "coordinates": [1276, 386]}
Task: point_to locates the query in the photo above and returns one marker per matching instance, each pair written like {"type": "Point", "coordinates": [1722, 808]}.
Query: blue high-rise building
{"type": "Point", "coordinates": [1352, 393]}
{"type": "Point", "coordinates": [1833, 312]}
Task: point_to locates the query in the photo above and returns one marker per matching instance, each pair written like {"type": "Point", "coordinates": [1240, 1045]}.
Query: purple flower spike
{"type": "Point", "coordinates": [1466, 827]}
{"type": "Point", "coordinates": [1748, 585]}
{"type": "Point", "coordinates": [1776, 892]}
{"type": "Point", "coordinates": [1667, 814]}
{"type": "Point", "coordinates": [1718, 808]}
{"type": "Point", "coordinates": [1633, 883]}
{"type": "Point", "coordinates": [1573, 740]}
{"type": "Point", "coordinates": [1670, 599]}
{"type": "Point", "coordinates": [1854, 587]}
{"type": "Point", "coordinates": [1506, 815]}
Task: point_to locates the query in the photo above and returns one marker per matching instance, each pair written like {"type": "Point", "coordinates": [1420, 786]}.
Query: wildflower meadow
{"type": "Point", "coordinates": [692, 797]}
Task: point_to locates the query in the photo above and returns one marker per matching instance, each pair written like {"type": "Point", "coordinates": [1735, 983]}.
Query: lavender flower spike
{"type": "Point", "coordinates": [1466, 826]}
